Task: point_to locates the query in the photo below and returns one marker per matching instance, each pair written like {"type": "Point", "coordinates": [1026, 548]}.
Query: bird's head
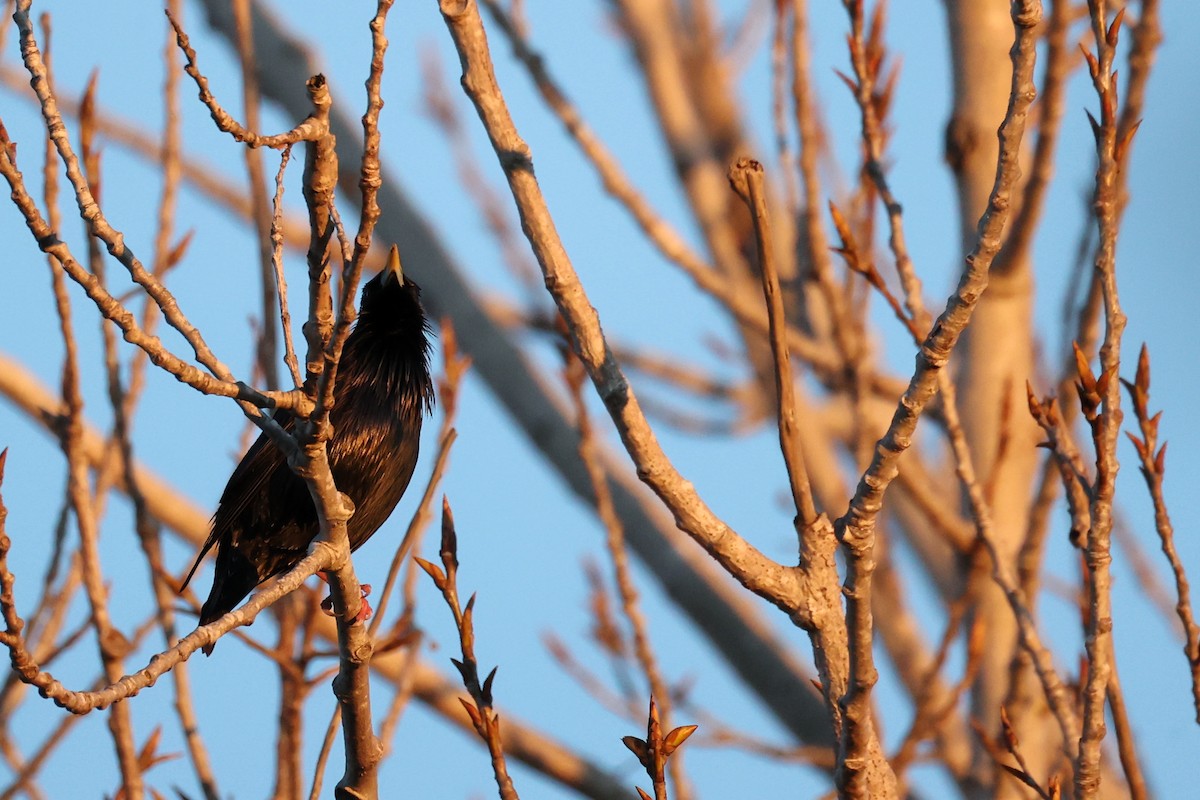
{"type": "Point", "coordinates": [391, 306]}
{"type": "Point", "coordinates": [392, 333]}
{"type": "Point", "coordinates": [391, 291]}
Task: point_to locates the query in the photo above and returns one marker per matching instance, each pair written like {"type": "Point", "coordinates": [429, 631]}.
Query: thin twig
{"type": "Point", "coordinates": [454, 369]}
{"type": "Point", "coordinates": [1126, 741]}
{"type": "Point", "coordinates": [747, 179]}
{"type": "Point", "coordinates": [266, 354]}
{"type": "Point", "coordinates": [654, 752]}
{"type": "Point", "coordinates": [1153, 467]}
{"type": "Point", "coordinates": [323, 756]}
{"type": "Point", "coordinates": [1106, 427]}
{"type": "Point", "coordinates": [285, 314]}
{"type": "Point", "coordinates": [480, 709]}
{"type": "Point", "coordinates": [1052, 99]}
{"type": "Point", "coordinates": [783, 148]}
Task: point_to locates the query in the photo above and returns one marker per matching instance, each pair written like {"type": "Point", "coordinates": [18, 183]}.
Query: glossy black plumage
{"type": "Point", "coordinates": [266, 518]}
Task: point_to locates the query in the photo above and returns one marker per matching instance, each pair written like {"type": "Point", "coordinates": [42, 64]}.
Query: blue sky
{"type": "Point", "coordinates": [523, 537]}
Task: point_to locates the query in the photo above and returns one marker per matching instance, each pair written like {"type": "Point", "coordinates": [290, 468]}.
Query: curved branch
{"type": "Point", "coordinates": [83, 702]}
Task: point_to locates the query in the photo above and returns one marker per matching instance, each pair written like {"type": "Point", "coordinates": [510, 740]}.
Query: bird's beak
{"type": "Point", "coordinates": [393, 272]}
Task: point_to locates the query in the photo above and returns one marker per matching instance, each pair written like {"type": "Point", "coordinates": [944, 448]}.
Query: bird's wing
{"type": "Point", "coordinates": [250, 475]}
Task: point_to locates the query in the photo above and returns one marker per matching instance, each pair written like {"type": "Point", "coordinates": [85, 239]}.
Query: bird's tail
{"type": "Point", "coordinates": [231, 583]}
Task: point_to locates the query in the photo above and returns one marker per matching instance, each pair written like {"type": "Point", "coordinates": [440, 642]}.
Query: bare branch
{"type": "Point", "coordinates": [746, 177]}
{"type": "Point", "coordinates": [479, 709]}
{"type": "Point", "coordinates": [1106, 427]}
{"type": "Point", "coordinates": [83, 702]}
{"type": "Point", "coordinates": [1153, 466]}
{"type": "Point", "coordinates": [754, 570]}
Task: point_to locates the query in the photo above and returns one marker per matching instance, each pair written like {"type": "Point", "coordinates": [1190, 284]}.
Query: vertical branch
{"type": "Point", "coordinates": [864, 87]}
{"type": "Point", "coordinates": [689, 91]}
{"type": "Point", "coordinates": [369, 182]}
{"type": "Point", "coordinates": [653, 27]}
{"type": "Point", "coordinates": [1106, 428]}
{"type": "Point", "coordinates": [110, 641]}
{"type": "Point", "coordinates": [1081, 330]}
{"type": "Point", "coordinates": [323, 756]}
{"type": "Point", "coordinates": [1052, 100]}
{"type": "Point", "coordinates": [483, 716]}
{"type": "Point", "coordinates": [1126, 741]}
{"type": "Point", "coordinates": [352, 685]}
{"type": "Point", "coordinates": [320, 182]}
{"type": "Point", "coordinates": [844, 326]}
{"type": "Point", "coordinates": [810, 140]}
{"type": "Point", "coordinates": [1153, 466]}
{"type": "Point", "coordinates": [289, 738]}
{"type": "Point", "coordinates": [996, 356]}
{"type": "Point", "coordinates": [779, 62]}
{"type": "Point", "coordinates": [938, 344]}
{"type": "Point", "coordinates": [112, 644]}
{"type": "Point", "coordinates": [170, 162]}
{"type": "Point", "coordinates": [285, 314]}
{"type": "Point", "coordinates": [1146, 36]}
{"type": "Point", "coordinates": [857, 527]}
{"type": "Point", "coordinates": [746, 177]}
{"type": "Point", "coordinates": [274, 289]}
{"type": "Point", "coordinates": [267, 355]}
{"type": "Point", "coordinates": [655, 751]}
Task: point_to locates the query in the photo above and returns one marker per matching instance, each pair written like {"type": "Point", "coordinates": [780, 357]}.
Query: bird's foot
{"type": "Point", "coordinates": [364, 608]}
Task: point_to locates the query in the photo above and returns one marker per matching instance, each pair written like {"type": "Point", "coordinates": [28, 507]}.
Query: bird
{"type": "Point", "coordinates": [266, 519]}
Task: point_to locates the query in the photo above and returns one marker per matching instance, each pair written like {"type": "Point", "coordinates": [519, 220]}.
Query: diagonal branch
{"type": "Point", "coordinates": [774, 582]}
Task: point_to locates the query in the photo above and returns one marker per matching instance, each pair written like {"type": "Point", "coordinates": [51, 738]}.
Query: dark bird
{"type": "Point", "coordinates": [266, 518]}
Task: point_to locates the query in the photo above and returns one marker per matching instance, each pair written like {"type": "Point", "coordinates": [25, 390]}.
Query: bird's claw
{"type": "Point", "coordinates": [364, 608]}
